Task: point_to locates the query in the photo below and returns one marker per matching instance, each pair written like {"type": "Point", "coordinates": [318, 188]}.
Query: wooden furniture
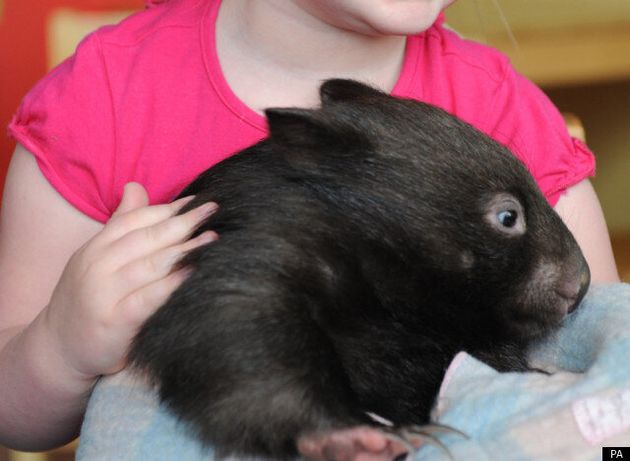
{"type": "Point", "coordinates": [564, 42]}
{"type": "Point", "coordinates": [621, 249]}
{"type": "Point", "coordinates": [65, 453]}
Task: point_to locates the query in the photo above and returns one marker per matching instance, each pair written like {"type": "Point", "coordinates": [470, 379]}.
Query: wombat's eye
{"type": "Point", "coordinates": [508, 218]}
{"type": "Point", "coordinates": [505, 214]}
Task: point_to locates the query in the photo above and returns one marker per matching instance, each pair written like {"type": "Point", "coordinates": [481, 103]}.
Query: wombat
{"type": "Point", "coordinates": [361, 246]}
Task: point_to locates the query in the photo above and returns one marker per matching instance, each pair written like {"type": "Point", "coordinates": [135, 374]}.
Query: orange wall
{"type": "Point", "coordinates": [23, 49]}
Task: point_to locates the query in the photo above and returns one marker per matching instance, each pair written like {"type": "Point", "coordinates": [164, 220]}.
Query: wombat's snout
{"type": "Point", "coordinates": [574, 287]}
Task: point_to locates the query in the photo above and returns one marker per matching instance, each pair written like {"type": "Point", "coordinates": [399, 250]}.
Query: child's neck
{"type": "Point", "coordinates": [276, 54]}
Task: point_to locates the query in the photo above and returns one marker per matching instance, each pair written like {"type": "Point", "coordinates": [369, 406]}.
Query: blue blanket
{"type": "Point", "coordinates": [570, 414]}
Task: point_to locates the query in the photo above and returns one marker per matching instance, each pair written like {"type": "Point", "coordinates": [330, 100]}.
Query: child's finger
{"type": "Point", "coordinates": [135, 308]}
{"type": "Point", "coordinates": [164, 234]}
{"type": "Point", "coordinates": [139, 218]}
{"type": "Point", "coordinates": [134, 196]}
{"type": "Point", "coordinates": [152, 268]}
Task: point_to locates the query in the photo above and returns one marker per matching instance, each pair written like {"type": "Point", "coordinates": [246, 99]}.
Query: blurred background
{"type": "Point", "coordinates": [578, 51]}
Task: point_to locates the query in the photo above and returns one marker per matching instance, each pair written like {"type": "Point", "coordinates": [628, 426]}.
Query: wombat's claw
{"type": "Point", "coordinates": [436, 428]}
{"type": "Point", "coordinates": [406, 435]}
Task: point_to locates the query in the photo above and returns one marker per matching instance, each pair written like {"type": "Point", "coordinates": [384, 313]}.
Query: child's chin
{"type": "Point", "coordinates": [404, 17]}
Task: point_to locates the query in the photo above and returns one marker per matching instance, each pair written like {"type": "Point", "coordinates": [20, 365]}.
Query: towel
{"type": "Point", "coordinates": [568, 414]}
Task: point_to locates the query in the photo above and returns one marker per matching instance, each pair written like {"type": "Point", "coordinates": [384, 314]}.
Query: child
{"type": "Point", "coordinates": [172, 91]}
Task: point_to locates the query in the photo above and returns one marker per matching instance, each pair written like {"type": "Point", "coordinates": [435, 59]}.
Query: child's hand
{"type": "Point", "coordinates": [120, 277]}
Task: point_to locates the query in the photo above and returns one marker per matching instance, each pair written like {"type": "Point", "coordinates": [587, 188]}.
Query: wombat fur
{"type": "Point", "coordinates": [362, 245]}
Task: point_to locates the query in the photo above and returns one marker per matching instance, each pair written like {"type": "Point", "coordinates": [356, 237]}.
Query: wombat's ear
{"type": "Point", "coordinates": [297, 126]}
{"type": "Point", "coordinates": [311, 136]}
{"type": "Point", "coordinates": [337, 89]}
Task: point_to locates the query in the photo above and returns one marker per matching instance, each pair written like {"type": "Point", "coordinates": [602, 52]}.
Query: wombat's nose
{"type": "Point", "coordinates": [575, 289]}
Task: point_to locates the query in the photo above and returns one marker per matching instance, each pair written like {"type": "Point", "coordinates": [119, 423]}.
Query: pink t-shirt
{"type": "Point", "coordinates": [146, 101]}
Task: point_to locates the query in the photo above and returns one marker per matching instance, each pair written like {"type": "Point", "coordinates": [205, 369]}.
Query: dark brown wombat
{"type": "Point", "coordinates": [361, 247]}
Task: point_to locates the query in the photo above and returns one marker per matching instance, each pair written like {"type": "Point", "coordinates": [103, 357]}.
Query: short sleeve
{"type": "Point", "coordinates": [524, 119]}
{"type": "Point", "coordinates": [66, 121]}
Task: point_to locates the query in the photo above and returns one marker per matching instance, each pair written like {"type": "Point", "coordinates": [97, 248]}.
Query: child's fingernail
{"type": "Point", "coordinates": [207, 237]}
{"type": "Point", "coordinates": [207, 209]}
{"type": "Point", "coordinates": [182, 202]}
